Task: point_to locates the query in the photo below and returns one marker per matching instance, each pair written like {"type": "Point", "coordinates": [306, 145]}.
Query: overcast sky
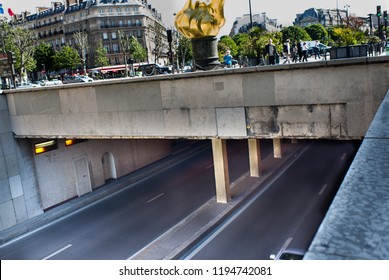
{"type": "Point", "coordinates": [283, 10]}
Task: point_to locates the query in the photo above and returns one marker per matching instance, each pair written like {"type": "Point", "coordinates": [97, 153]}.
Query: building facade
{"type": "Point", "coordinates": [243, 24]}
{"type": "Point", "coordinates": [326, 17]}
{"type": "Point", "coordinates": [101, 20]}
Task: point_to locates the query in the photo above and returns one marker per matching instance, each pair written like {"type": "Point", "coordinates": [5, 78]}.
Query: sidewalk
{"type": "Point", "coordinates": [177, 241]}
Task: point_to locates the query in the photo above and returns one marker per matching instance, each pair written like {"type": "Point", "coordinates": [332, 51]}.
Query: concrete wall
{"type": "Point", "coordinates": [19, 194]}
{"type": "Point", "coordinates": [356, 225]}
{"type": "Point", "coordinates": [333, 99]}
{"type": "Point", "coordinates": [31, 183]}
{"type": "Point", "coordinates": [57, 171]}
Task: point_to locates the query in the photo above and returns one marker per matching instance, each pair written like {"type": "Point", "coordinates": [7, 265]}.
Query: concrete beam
{"type": "Point", "coordinates": [277, 148]}
{"type": "Point", "coordinates": [255, 157]}
{"type": "Point", "coordinates": [222, 177]}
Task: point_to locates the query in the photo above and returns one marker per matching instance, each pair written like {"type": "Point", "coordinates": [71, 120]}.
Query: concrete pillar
{"type": "Point", "coordinates": [222, 176]}
{"type": "Point", "coordinates": [277, 148]}
{"type": "Point", "coordinates": [255, 157]}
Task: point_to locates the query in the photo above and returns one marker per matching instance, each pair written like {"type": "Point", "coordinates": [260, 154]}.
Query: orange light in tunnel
{"type": "Point", "coordinates": [46, 146]}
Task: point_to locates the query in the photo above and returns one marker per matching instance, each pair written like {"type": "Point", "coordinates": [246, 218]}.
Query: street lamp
{"type": "Point", "coordinates": [251, 15]}
{"type": "Point", "coordinates": [346, 7]}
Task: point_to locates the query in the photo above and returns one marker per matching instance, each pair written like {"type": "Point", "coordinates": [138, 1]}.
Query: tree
{"type": "Point", "coordinates": [295, 33]}
{"type": "Point", "coordinates": [67, 58]}
{"type": "Point", "coordinates": [184, 50]}
{"type": "Point", "coordinates": [316, 31]}
{"type": "Point", "coordinates": [43, 57]}
{"type": "Point", "coordinates": [157, 34]}
{"type": "Point", "coordinates": [101, 58]}
{"type": "Point", "coordinates": [240, 40]}
{"type": "Point", "coordinates": [347, 37]}
{"type": "Point", "coordinates": [82, 43]}
{"type": "Point", "coordinates": [138, 53]}
{"type": "Point", "coordinates": [22, 42]}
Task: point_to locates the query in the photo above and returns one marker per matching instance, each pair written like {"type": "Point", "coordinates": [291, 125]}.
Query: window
{"type": "Point", "coordinates": [113, 35]}
{"type": "Point", "coordinates": [115, 48]}
{"type": "Point", "coordinates": [106, 47]}
{"type": "Point", "coordinates": [105, 36]}
{"type": "Point", "coordinates": [137, 22]}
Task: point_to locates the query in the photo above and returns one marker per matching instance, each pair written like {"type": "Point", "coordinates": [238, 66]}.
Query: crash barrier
{"type": "Point", "coordinates": [357, 50]}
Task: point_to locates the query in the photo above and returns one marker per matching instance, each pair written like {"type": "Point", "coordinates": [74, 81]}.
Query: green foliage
{"type": "Point", "coordinates": [295, 33]}
{"type": "Point", "coordinates": [138, 53]}
{"type": "Point", "coordinates": [227, 43]}
{"type": "Point", "coordinates": [101, 58]}
{"type": "Point", "coordinates": [316, 31]}
{"type": "Point", "coordinates": [66, 59]}
{"type": "Point", "coordinates": [43, 56]}
{"type": "Point", "coordinates": [21, 41]}
{"type": "Point", "coordinates": [347, 37]}
{"type": "Point", "coordinates": [184, 50]}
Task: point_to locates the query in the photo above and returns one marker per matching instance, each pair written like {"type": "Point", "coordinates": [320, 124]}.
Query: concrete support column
{"type": "Point", "coordinates": [277, 148]}
{"type": "Point", "coordinates": [255, 157]}
{"type": "Point", "coordinates": [222, 176]}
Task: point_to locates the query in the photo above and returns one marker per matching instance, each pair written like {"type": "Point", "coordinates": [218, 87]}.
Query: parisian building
{"type": "Point", "coordinates": [243, 24]}
{"type": "Point", "coordinates": [101, 20]}
{"type": "Point", "coordinates": [334, 17]}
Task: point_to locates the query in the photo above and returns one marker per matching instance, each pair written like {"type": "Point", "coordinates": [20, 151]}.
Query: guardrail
{"type": "Point", "coordinates": [357, 50]}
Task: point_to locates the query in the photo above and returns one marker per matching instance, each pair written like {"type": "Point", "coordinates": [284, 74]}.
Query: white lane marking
{"type": "Point", "coordinates": [209, 166]}
{"type": "Point", "coordinates": [323, 189]}
{"type": "Point", "coordinates": [154, 198]}
{"type": "Point", "coordinates": [286, 244]}
{"type": "Point", "coordinates": [57, 252]}
{"type": "Point", "coordinates": [266, 186]}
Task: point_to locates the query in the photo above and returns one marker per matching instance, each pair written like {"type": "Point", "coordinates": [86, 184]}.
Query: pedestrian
{"type": "Point", "coordinates": [317, 49]}
{"type": "Point", "coordinates": [271, 52]}
{"type": "Point", "coordinates": [287, 51]}
{"type": "Point", "coordinates": [305, 52]}
{"type": "Point", "coordinates": [300, 50]}
{"type": "Point", "coordinates": [294, 52]}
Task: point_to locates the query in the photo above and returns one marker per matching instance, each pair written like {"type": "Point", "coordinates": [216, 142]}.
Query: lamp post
{"type": "Point", "coordinates": [251, 15]}
{"type": "Point", "coordinates": [346, 7]}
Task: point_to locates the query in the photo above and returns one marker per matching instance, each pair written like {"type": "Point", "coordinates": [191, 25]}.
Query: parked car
{"type": "Point", "coordinates": [77, 79]}
{"type": "Point", "coordinates": [27, 85]}
{"type": "Point", "coordinates": [52, 82]}
{"type": "Point", "coordinates": [323, 49]}
{"type": "Point", "coordinates": [153, 69]}
{"type": "Point", "coordinates": [86, 79]}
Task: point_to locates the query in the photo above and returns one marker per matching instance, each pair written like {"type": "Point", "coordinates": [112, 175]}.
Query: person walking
{"type": "Point", "coordinates": [305, 52]}
{"type": "Point", "coordinates": [287, 51]}
{"type": "Point", "coordinates": [294, 52]}
{"type": "Point", "coordinates": [300, 50]}
{"type": "Point", "coordinates": [317, 49]}
{"type": "Point", "coordinates": [271, 52]}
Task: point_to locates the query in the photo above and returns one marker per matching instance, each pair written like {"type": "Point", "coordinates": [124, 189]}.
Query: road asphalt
{"type": "Point", "coordinates": [180, 238]}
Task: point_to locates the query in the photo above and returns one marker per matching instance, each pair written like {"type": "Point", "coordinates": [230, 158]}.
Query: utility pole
{"type": "Point", "coordinates": [251, 15]}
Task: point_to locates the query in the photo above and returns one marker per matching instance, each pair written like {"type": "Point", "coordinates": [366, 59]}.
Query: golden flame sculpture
{"type": "Point", "coordinates": [201, 19]}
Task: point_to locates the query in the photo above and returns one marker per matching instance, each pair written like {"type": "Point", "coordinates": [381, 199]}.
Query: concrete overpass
{"type": "Point", "coordinates": [327, 99]}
